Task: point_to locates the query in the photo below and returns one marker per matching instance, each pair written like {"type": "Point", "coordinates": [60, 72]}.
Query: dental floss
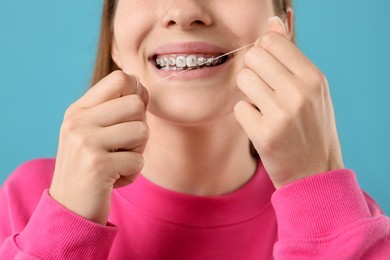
{"type": "Point", "coordinates": [183, 71]}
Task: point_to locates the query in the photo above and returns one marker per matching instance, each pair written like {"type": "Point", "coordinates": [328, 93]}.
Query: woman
{"type": "Point", "coordinates": [206, 191]}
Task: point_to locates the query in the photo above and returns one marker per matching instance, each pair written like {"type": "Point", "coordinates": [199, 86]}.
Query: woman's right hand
{"type": "Point", "coordinates": [102, 139]}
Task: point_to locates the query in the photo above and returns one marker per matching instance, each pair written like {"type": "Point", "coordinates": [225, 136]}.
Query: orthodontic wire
{"type": "Point", "coordinates": [183, 71]}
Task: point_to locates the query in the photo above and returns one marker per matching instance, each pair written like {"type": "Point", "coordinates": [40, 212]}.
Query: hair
{"type": "Point", "coordinates": [104, 63]}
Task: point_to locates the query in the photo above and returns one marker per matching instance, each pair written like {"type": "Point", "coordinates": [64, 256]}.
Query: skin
{"type": "Point", "coordinates": [193, 136]}
{"type": "Point", "coordinates": [294, 120]}
{"type": "Point", "coordinates": [88, 167]}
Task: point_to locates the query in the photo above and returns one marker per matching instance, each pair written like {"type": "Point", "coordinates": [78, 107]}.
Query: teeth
{"type": "Point", "coordinates": [201, 61]}
{"type": "Point", "coordinates": [192, 61]}
{"type": "Point", "coordinates": [180, 62]}
{"type": "Point", "coordinates": [172, 61]}
{"type": "Point", "coordinates": [166, 61]}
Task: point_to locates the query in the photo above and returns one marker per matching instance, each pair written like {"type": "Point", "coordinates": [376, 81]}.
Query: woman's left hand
{"type": "Point", "coordinates": [289, 114]}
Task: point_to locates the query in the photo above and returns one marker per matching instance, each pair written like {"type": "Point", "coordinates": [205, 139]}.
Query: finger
{"type": "Point", "coordinates": [119, 110]}
{"type": "Point", "coordinates": [274, 73]}
{"type": "Point", "coordinates": [124, 137]}
{"type": "Point", "coordinates": [285, 52]}
{"type": "Point", "coordinates": [124, 181]}
{"type": "Point", "coordinates": [276, 24]}
{"type": "Point", "coordinates": [257, 91]}
{"type": "Point", "coordinates": [143, 93]}
{"type": "Point", "coordinates": [250, 119]}
{"type": "Point", "coordinates": [126, 164]}
{"type": "Point", "coordinates": [115, 85]}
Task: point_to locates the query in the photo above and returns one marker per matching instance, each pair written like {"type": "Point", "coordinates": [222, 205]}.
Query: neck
{"type": "Point", "coordinates": [208, 160]}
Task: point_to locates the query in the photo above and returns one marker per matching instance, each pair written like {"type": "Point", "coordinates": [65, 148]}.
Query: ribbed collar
{"type": "Point", "coordinates": [203, 211]}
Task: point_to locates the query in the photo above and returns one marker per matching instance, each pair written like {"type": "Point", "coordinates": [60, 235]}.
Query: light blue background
{"type": "Point", "coordinates": [47, 51]}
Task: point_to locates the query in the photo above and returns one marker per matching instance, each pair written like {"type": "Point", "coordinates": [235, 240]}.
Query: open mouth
{"type": "Point", "coordinates": [186, 61]}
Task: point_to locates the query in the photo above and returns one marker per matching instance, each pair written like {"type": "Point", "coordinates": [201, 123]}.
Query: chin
{"type": "Point", "coordinates": [190, 110]}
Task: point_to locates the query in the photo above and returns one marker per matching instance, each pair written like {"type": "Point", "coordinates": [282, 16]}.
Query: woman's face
{"type": "Point", "coordinates": [181, 32]}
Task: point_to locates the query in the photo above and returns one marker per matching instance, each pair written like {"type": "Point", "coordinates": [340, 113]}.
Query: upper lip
{"type": "Point", "coordinates": [188, 48]}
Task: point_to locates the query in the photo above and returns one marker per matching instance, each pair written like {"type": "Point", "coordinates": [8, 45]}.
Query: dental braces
{"type": "Point", "coordinates": [188, 69]}
{"type": "Point", "coordinates": [191, 61]}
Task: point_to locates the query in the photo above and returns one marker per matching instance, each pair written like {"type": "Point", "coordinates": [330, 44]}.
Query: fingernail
{"type": "Point", "coordinates": [276, 24]}
{"type": "Point", "coordinates": [139, 89]}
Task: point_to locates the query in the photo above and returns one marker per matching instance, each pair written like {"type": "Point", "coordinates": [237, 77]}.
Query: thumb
{"type": "Point", "coordinates": [142, 92]}
{"type": "Point", "coordinates": [276, 24]}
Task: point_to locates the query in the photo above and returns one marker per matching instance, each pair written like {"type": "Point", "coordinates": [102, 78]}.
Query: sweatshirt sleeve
{"type": "Point", "coordinates": [38, 227]}
{"type": "Point", "coordinates": [328, 216]}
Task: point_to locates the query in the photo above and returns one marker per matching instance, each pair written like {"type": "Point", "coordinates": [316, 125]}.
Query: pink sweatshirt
{"type": "Point", "coordinates": [324, 216]}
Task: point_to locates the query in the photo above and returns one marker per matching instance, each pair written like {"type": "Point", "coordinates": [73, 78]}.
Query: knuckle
{"type": "Point", "coordinates": [76, 135]}
{"type": "Point", "coordinates": [137, 102]}
{"type": "Point", "coordinates": [81, 140]}
{"type": "Point", "coordinates": [86, 139]}
{"type": "Point", "coordinates": [69, 127]}
{"type": "Point", "coordinates": [283, 121]}
{"type": "Point", "coordinates": [317, 78]}
{"type": "Point", "coordinates": [71, 123]}
{"type": "Point", "coordinates": [120, 78]}
{"type": "Point", "coordinates": [300, 102]}
{"type": "Point", "coordinates": [70, 111]}
{"type": "Point", "coordinates": [299, 97]}
{"type": "Point", "coordinates": [283, 117]}
{"type": "Point", "coordinates": [95, 161]}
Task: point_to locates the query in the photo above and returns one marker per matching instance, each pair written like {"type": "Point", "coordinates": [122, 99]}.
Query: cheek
{"type": "Point", "coordinates": [131, 23]}
{"type": "Point", "coordinates": [248, 19]}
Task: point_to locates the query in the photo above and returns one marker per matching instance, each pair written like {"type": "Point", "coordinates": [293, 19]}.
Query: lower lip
{"type": "Point", "coordinates": [193, 74]}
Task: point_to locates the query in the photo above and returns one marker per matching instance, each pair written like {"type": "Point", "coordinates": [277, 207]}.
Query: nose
{"type": "Point", "coordinates": [186, 14]}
